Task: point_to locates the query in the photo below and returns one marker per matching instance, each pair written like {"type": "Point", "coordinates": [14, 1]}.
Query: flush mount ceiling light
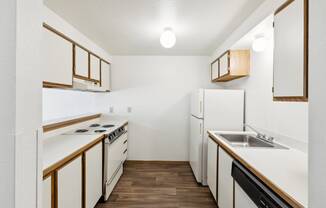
{"type": "Point", "coordinates": [168, 38]}
{"type": "Point", "coordinates": [259, 43]}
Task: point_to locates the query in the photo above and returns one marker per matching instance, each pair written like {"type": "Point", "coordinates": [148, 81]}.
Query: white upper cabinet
{"type": "Point", "coordinates": [290, 51]}
{"type": "Point", "coordinates": [225, 180]}
{"type": "Point", "coordinates": [224, 64]}
{"type": "Point", "coordinates": [81, 62]}
{"type": "Point", "coordinates": [95, 68]}
{"type": "Point", "coordinates": [105, 76]}
{"type": "Point", "coordinates": [57, 55]}
{"type": "Point", "coordinates": [93, 175]}
{"type": "Point", "coordinates": [215, 66]}
{"type": "Point", "coordinates": [212, 166]}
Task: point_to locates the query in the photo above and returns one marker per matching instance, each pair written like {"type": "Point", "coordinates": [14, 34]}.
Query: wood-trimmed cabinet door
{"type": "Point", "coordinates": [224, 66]}
{"type": "Point", "coordinates": [95, 68]}
{"type": "Point", "coordinates": [69, 185]}
{"type": "Point", "coordinates": [47, 197]}
{"type": "Point", "coordinates": [93, 175]}
{"type": "Point", "coordinates": [106, 76]}
{"type": "Point", "coordinates": [81, 63]}
{"type": "Point", "coordinates": [215, 69]}
{"type": "Point", "coordinates": [212, 166]}
{"type": "Point", "coordinates": [225, 180]}
{"type": "Point", "coordinates": [57, 59]}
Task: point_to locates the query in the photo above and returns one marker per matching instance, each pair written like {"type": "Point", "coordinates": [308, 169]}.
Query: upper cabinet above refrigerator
{"type": "Point", "coordinates": [232, 64]}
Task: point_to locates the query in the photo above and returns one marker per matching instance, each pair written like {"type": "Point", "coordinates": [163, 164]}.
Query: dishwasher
{"type": "Point", "coordinates": [251, 192]}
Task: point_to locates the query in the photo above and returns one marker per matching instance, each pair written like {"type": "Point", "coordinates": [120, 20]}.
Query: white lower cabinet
{"type": "Point", "coordinates": [47, 193]}
{"type": "Point", "coordinates": [225, 180]}
{"type": "Point", "coordinates": [212, 166]}
{"type": "Point", "coordinates": [69, 183]}
{"type": "Point", "coordinates": [241, 199]}
{"type": "Point", "coordinates": [93, 174]}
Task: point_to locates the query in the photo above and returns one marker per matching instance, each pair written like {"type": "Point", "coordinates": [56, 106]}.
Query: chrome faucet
{"type": "Point", "coordinates": [261, 136]}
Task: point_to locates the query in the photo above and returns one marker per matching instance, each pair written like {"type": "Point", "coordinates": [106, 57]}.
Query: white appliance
{"type": "Point", "coordinates": [115, 154]}
{"type": "Point", "coordinates": [212, 109]}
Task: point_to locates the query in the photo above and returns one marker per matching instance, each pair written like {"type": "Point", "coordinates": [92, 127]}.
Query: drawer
{"type": "Point", "coordinates": [124, 155]}
{"type": "Point", "coordinates": [124, 144]}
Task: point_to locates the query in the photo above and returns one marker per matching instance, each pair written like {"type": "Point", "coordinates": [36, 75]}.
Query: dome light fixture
{"type": "Point", "coordinates": [168, 38]}
{"type": "Point", "coordinates": [259, 43]}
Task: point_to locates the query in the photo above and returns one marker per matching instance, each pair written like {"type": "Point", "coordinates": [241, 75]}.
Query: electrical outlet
{"type": "Point", "coordinates": [111, 109]}
{"type": "Point", "coordinates": [129, 109]}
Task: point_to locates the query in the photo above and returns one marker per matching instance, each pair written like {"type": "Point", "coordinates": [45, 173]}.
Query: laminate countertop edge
{"type": "Point", "coordinates": [283, 194]}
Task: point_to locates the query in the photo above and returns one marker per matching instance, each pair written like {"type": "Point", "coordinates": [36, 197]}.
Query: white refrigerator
{"type": "Point", "coordinates": [212, 109]}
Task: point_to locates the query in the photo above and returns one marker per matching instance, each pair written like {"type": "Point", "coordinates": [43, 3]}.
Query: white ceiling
{"type": "Point", "coordinates": [133, 27]}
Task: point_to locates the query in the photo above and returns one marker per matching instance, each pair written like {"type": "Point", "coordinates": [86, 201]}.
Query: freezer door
{"type": "Point", "coordinates": [224, 110]}
{"type": "Point", "coordinates": [197, 103]}
{"type": "Point", "coordinates": [195, 148]}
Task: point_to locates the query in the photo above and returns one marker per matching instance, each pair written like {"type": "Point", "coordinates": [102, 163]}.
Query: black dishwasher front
{"type": "Point", "coordinates": [257, 191]}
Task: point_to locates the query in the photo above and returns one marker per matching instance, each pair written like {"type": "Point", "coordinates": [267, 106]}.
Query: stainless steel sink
{"type": "Point", "coordinates": [240, 140]}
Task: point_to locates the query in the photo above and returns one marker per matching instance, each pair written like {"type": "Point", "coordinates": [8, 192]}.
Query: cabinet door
{"type": "Point", "coordinates": [106, 75]}
{"type": "Point", "coordinates": [214, 68]}
{"type": "Point", "coordinates": [58, 62]}
{"type": "Point", "coordinates": [225, 180]}
{"type": "Point", "coordinates": [224, 64]}
{"type": "Point", "coordinates": [70, 185]}
{"type": "Point", "coordinates": [95, 68]}
{"type": "Point", "coordinates": [93, 175]}
{"type": "Point", "coordinates": [212, 166]}
{"type": "Point", "coordinates": [289, 51]}
{"type": "Point", "coordinates": [81, 62]}
{"type": "Point", "coordinates": [47, 193]}
{"type": "Point", "coordinates": [241, 199]}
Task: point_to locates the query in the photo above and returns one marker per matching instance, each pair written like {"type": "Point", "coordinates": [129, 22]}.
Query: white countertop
{"type": "Point", "coordinates": [59, 147]}
{"type": "Point", "coordinates": [285, 168]}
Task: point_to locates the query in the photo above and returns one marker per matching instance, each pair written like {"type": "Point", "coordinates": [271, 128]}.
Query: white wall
{"type": "Point", "coordinates": [287, 121]}
{"type": "Point", "coordinates": [7, 110]}
{"type": "Point", "coordinates": [58, 104]}
{"type": "Point", "coordinates": [66, 103]}
{"type": "Point", "coordinates": [157, 89]}
{"type": "Point", "coordinates": [317, 110]}
{"type": "Point", "coordinates": [28, 91]}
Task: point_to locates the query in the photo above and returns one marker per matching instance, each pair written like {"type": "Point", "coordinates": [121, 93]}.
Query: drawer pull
{"type": "Point", "coordinates": [125, 151]}
{"type": "Point", "coordinates": [125, 142]}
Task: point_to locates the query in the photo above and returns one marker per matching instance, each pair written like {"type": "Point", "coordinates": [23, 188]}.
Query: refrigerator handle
{"type": "Point", "coordinates": [201, 106]}
{"type": "Point", "coordinates": [200, 128]}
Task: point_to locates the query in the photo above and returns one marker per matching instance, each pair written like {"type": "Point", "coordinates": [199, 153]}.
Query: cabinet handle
{"type": "Point", "coordinates": [125, 151]}
{"type": "Point", "coordinates": [125, 142]}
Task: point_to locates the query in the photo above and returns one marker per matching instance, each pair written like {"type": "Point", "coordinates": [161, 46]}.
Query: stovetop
{"type": "Point", "coordinates": [94, 128]}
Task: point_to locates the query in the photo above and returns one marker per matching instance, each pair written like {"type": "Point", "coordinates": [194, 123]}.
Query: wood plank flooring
{"type": "Point", "coordinates": [158, 185]}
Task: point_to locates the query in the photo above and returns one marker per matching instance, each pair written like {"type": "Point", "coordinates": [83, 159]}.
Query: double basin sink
{"type": "Point", "coordinates": [242, 140]}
